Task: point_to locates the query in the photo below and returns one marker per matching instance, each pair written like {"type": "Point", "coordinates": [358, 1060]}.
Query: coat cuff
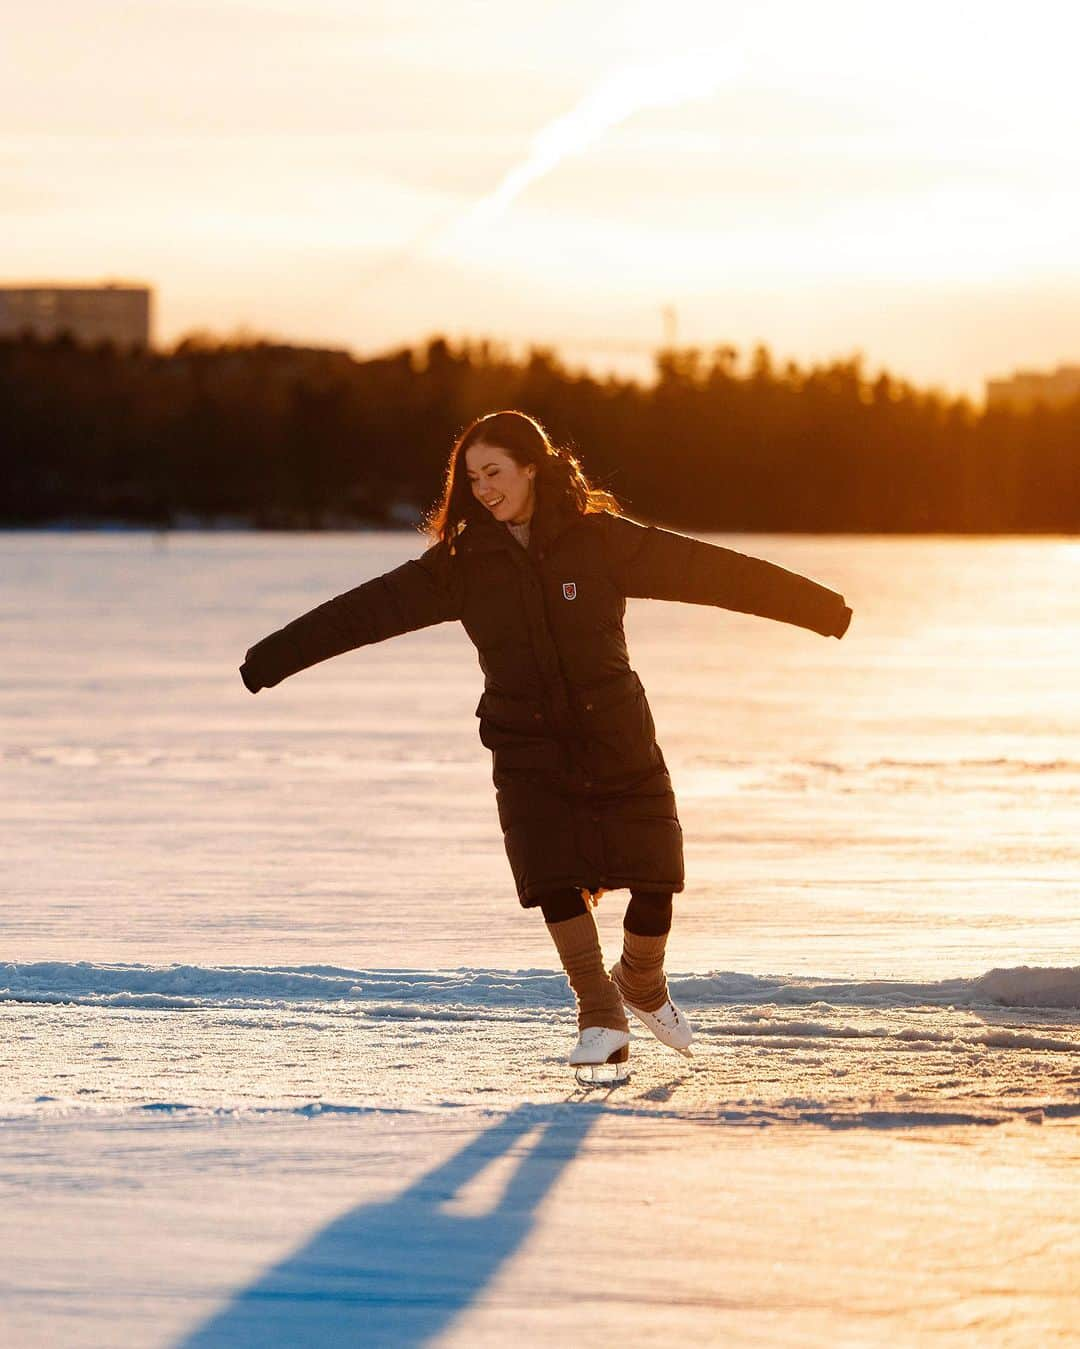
{"type": "Point", "coordinates": [247, 674]}
{"type": "Point", "coordinates": [844, 623]}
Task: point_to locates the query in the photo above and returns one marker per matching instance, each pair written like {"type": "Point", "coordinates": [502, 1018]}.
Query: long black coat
{"type": "Point", "coordinates": [583, 792]}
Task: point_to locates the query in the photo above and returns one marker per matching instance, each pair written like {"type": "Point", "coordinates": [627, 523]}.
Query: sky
{"type": "Point", "coordinates": [900, 181]}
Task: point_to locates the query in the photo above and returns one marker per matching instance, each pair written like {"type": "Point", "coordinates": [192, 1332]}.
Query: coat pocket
{"type": "Point", "coordinates": [509, 720]}
{"type": "Point", "coordinates": [519, 734]}
{"type": "Point", "coordinates": [617, 728]}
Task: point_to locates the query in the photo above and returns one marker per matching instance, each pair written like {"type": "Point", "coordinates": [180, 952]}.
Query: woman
{"type": "Point", "coordinates": [538, 564]}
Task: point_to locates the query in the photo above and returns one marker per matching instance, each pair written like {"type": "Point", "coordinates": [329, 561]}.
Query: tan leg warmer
{"type": "Point", "coordinates": [639, 974]}
{"type": "Point", "coordinates": [578, 944]}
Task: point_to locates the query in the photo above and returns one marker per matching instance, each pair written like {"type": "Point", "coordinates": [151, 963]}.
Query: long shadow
{"type": "Point", "coordinates": [399, 1272]}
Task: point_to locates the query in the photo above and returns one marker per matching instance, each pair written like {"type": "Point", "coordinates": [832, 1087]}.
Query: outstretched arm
{"type": "Point", "coordinates": [415, 595]}
{"type": "Point", "coordinates": [658, 564]}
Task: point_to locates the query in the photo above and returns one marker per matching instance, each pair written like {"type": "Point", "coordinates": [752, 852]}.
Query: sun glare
{"type": "Point", "coordinates": [935, 91]}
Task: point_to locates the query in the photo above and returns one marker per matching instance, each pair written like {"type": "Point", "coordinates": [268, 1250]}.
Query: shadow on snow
{"type": "Point", "coordinates": [399, 1272]}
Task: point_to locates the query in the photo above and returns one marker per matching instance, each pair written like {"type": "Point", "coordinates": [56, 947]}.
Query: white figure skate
{"type": "Point", "coordinates": [601, 1056]}
{"type": "Point", "coordinates": [668, 1024]}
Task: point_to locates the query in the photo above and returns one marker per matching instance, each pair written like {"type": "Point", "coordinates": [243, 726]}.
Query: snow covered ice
{"type": "Point", "coordinates": [284, 1062]}
{"type": "Point", "coordinates": [92, 1037]}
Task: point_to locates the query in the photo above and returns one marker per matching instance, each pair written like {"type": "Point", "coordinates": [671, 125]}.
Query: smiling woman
{"type": "Point", "coordinates": [505, 456]}
{"type": "Point", "coordinates": [500, 483]}
{"type": "Point", "coordinates": [537, 565]}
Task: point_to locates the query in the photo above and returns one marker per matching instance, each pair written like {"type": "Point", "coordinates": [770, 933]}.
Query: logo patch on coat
{"type": "Point", "coordinates": [569, 590]}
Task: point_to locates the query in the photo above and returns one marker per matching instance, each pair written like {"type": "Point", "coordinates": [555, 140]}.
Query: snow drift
{"type": "Point", "coordinates": [518, 991]}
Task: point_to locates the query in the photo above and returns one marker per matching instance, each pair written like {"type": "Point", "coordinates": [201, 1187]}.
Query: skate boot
{"type": "Point", "coordinates": [667, 1023]}
{"type": "Point", "coordinates": [601, 1056]}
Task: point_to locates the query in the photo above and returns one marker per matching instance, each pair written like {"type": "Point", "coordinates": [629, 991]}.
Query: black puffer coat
{"type": "Point", "coordinates": [583, 793]}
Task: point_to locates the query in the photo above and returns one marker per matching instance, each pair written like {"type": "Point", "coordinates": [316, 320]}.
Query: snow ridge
{"type": "Point", "coordinates": [450, 993]}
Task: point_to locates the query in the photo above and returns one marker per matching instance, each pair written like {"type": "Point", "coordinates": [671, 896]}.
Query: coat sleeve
{"type": "Point", "coordinates": [415, 595]}
{"type": "Point", "coordinates": [659, 564]}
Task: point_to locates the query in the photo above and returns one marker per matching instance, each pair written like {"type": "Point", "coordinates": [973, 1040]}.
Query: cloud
{"type": "Point", "coordinates": [628, 90]}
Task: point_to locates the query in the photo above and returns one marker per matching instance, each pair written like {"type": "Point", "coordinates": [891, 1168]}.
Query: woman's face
{"type": "Point", "coordinates": [500, 483]}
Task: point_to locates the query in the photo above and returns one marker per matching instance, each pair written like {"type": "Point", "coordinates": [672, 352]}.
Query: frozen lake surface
{"type": "Point", "coordinates": [898, 804]}
{"type": "Point", "coordinates": [233, 925]}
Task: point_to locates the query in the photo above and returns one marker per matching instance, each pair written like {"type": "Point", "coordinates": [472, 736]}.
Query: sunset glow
{"type": "Point", "coordinates": [540, 737]}
{"type": "Point", "coordinates": [813, 178]}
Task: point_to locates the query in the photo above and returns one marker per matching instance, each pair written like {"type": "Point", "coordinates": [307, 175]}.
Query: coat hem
{"type": "Point", "coordinates": [532, 896]}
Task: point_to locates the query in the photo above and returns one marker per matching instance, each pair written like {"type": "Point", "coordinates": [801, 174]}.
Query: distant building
{"type": "Point", "coordinates": [1026, 389]}
{"type": "Point", "coordinates": [116, 313]}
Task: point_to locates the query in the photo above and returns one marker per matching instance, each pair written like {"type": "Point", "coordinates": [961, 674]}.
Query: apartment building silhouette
{"type": "Point", "coordinates": [112, 312]}
{"type": "Point", "coordinates": [1027, 388]}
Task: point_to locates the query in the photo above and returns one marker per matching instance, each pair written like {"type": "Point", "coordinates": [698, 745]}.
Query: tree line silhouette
{"type": "Point", "coordinates": [252, 432]}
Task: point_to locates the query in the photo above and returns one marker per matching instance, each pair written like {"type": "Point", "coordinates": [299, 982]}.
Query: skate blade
{"type": "Point", "coordinates": [601, 1074]}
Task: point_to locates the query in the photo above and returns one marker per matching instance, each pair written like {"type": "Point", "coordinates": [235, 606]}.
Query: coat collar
{"type": "Point", "coordinates": [550, 518]}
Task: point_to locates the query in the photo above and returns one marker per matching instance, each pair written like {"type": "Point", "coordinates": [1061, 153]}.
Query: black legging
{"type": "Point", "coordinates": [648, 914]}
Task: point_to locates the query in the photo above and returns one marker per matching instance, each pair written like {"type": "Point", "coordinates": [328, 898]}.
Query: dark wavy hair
{"type": "Point", "coordinates": [559, 476]}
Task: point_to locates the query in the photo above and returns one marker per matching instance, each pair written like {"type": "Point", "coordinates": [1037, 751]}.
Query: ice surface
{"type": "Point", "coordinates": [563, 1224]}
{"type": "Point", "coordinates": [283, 1062]}
{"type": "Point", "coordinates": [900, 804]}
